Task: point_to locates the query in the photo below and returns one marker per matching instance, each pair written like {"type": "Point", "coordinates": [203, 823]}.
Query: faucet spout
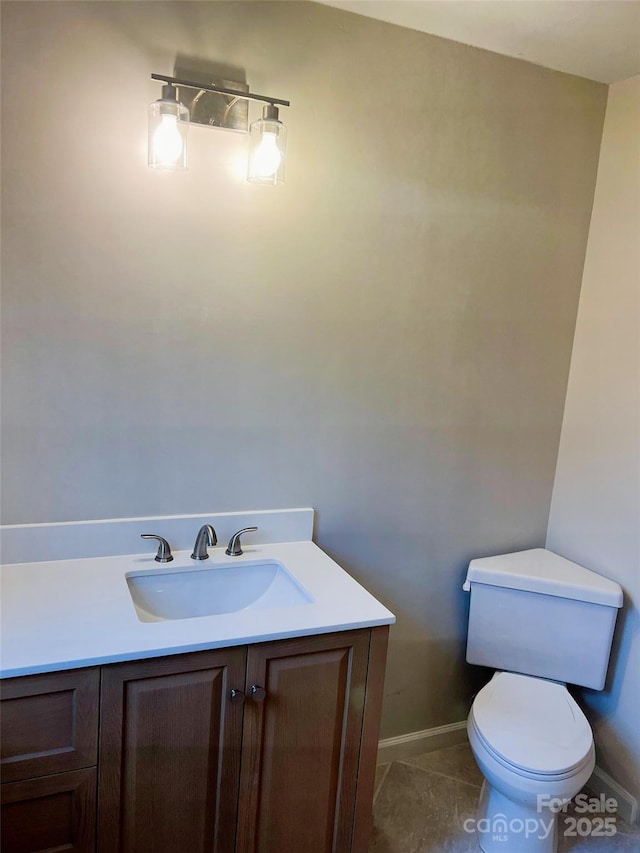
{"type": "Point", "coordinates": [206, 537]}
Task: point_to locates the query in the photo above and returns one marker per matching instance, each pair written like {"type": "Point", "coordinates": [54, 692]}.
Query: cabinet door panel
{"type": "Point", "coordinates": [49, 723]}
{"type": "Point", "coordinates": [170, 746]}
{"type": "Point", "coordinates": [301, 744]}
{"type": "Point", "coordinates": [50, 813]}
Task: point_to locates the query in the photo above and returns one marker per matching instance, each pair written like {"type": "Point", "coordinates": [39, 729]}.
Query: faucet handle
{"type": "Point", "coordinates": [234, 548]}
{"type": "Point", "coordinates": [164, 554]}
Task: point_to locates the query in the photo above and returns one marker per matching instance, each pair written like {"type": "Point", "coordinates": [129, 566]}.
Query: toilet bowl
{"type": "Point", "coordinates": [535, 749]}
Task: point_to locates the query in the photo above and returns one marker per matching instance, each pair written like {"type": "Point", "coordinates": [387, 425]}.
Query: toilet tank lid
{"type": "Point", "coordinates": [540, 570]}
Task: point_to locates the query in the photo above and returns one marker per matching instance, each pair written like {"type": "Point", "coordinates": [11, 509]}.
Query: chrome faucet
{"type": "Point", "coordinates": [206, 536]}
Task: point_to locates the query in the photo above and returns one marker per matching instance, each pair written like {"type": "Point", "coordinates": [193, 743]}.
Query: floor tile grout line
{"type": "Point", "coordinates": [406, 763]}
{"type": "Point", "coordinates": [629, 834]}
{"type": "Point", "coordinates": [381, 782]}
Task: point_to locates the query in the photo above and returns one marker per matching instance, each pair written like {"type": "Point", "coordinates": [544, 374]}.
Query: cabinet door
{"type": "Point", "coordinates": [169, 753]}
{"type": "Point", "coordinates": [301, 744]}
{"type": "Point", "coordinates": [49, 723]}
{"type": "Point", "coordinates": [50, 813]}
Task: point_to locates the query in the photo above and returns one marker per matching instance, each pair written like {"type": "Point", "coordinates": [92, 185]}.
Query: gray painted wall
{"type": "Point", "coordinates": [385, 338]}
{"type": "Point", "coordinates": [595, 512]}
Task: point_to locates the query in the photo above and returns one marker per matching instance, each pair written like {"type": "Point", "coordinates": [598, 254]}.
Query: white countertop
{"type": "Point", "coordinates": [65, 614]}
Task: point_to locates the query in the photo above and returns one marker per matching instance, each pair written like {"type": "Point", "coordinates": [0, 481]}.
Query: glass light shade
{"type": "Point", "coordinates": [267, 149]}
{"type": "Point", "coordinates": [168, 125]}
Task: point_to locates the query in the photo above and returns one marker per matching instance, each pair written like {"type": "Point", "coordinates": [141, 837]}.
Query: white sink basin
{"type": "Point", "coordinates": [186, 593]}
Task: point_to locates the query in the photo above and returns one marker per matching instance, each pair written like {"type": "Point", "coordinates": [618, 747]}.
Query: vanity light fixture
{"type": "Point", "coordinates": [169, 122]}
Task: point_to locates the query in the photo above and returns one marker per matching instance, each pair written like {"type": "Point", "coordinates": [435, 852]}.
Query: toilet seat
{"type": "Point", "coordinates": [479, 744]}
{"type": "Point", "coordinates": [532, 727]}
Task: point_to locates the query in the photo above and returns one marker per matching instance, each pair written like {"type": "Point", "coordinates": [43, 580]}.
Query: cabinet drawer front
{"type": "Point", "coordinates": [170, 750]}
{"type": "Point", "coordinates": [49, 723]}
{"type": "Point", "coordinates": [50, 813]}
{"type": "Point", "coordinates": [301, 744]}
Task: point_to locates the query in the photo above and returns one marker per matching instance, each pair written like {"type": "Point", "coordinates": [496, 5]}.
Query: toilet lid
{"type": "Point", "coordinates": [531, 723]}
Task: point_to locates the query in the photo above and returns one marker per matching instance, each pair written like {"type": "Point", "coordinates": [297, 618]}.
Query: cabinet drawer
{"type": "Point", "coordinates": [50, 813]}
{"type": "Point", "coordinates": [49, 723]}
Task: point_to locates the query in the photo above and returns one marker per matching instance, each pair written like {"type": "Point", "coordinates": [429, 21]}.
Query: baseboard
{"type": "Point", "coordinates": [601, 783]}
{"type": "Point", "coordinates": [415, 743]}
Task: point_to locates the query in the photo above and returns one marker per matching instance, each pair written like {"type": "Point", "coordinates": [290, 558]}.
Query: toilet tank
{"type": "Point", "coordinates": [536, 613]}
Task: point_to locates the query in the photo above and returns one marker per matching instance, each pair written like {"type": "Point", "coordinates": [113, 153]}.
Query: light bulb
{"type": "Point", "coordinates": [267, 146]}
{"type": "Point", "coordinates": [267, 158]}
{"type": "Point", "coordinates": [167, 141]}
{"type": "Point", "coordinates": [168, 125]}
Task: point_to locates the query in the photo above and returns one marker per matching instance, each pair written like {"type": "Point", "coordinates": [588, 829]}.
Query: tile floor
{"type": "Point", "coordinates": [421, 804]}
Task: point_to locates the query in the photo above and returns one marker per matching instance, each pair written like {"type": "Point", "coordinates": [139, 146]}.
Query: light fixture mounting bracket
{"type": "Point", "coordinates": [222, 90]}
{"type": "Point", "coordinates": [223, 111]}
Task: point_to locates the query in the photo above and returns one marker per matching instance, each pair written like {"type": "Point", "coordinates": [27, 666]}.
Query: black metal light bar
{"type": "Point", "coordinates": [221, 90]}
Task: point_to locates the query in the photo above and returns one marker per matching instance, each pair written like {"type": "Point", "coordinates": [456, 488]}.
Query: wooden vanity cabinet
{"type": "Point", "coordinates": [250, 749]}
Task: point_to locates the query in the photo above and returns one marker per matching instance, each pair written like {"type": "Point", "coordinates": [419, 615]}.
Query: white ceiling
{"type": "Point", "coordinates": [597, 39]}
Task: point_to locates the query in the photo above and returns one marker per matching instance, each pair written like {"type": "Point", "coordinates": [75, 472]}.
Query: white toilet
{"type": "Point", "coordinates": [541, 621]}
